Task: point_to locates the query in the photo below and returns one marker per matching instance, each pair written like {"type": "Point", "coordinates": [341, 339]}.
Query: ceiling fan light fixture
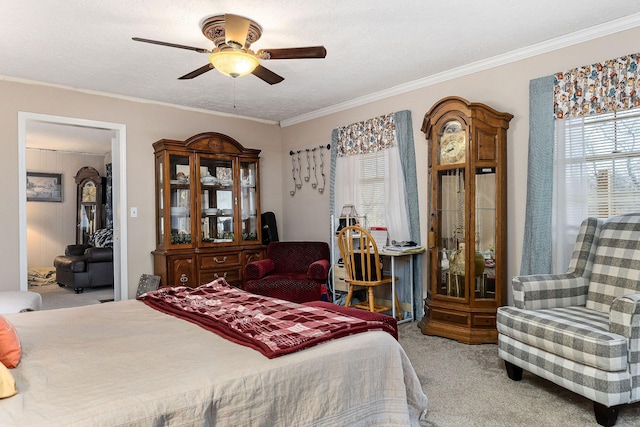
{"type": "Point", "coordinates": [234, 63]}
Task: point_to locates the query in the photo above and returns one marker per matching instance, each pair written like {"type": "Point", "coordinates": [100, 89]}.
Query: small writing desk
{"type": "Point", "coordinates": [393, 253]}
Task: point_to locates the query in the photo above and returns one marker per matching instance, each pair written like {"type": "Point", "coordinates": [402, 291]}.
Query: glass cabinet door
{"type": "Point", "coordinates": [217, 199]}
{"type": "Point", "coordinates": [87, 225]}
{"type": "Point", "coordinates": [485, 236]}
{"type": "Point", "coordinates": [160, 199]}
{"type": "Point", "coordinates": [249, 201]}
{"type": "Point", "coordinates": [180, 199]}
{"type": "Point", "coordinates": [451, 233]}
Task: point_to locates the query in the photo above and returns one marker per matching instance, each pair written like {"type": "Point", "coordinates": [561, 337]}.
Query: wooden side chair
{"type": "Point", "coordinates": [362, 264]}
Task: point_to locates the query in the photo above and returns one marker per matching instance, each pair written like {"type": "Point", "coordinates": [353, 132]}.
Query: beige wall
{"type": "Point", "coordinates": [52, 226]}
{"type": "Point", "coordinates": [306, 215]}
{"type": "Point", "coordinates": [505, 88]}
{"type": "Point", "coordinates": [145, 124]}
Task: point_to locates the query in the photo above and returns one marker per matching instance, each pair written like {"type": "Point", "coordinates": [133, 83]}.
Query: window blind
{"type": "Point", "coordinates": [602, 155]}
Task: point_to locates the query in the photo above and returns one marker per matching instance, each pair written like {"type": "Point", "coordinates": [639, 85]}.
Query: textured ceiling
{"type": "Point", "coordinates": [373, 47]}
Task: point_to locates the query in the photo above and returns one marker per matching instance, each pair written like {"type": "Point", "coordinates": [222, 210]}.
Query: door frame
{"type": "Point", "coordinates": [119, 188]}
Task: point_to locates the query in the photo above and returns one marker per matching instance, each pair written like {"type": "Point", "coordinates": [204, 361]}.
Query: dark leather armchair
{"type": "Point", "coordinates": [293, 271]}
{"type": "Point", "coordinates": [84, 266]}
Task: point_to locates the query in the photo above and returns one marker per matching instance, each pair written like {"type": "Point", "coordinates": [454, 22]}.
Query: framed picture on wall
{"type": "Point", "coordinates": [44, 187]}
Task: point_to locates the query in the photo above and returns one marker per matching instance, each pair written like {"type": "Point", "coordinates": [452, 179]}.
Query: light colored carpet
{"type": "Point", "coordinates": [54, 296]}
{"type": "Point", "coordinates": [468, 386]}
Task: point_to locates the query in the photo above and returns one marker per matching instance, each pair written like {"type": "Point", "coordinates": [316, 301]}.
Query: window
{"type": "Point", "coordinates": [597, 173]}
{"type": "Point", "coordinates": [373, 172]}
{"type": "Point", "coordinates": [367, 172]}
{"type": "Point", "coordinates": [374, 184]}
{"type": "Point", "coordinates": [602, 156]}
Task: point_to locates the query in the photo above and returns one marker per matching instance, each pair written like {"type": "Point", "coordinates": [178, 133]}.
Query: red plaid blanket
{"type": "Point", "coordinates": [272, 326]}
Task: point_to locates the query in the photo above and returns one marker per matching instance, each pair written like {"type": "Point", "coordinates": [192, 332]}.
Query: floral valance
{"type": "Point", "coordinates": [603, 87]}
{"type": "Point", "coordinates": [367, 136]}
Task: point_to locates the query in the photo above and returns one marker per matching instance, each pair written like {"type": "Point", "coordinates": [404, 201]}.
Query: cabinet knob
{"type": "Point", "coordinates": [183, 278]}
{"type": "Point", "coordinates": [224, 276]}
{"type": "Point", "coordinates": [215, 258]}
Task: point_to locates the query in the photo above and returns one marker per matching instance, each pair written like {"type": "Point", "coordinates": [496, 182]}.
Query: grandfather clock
{"type": "Point", "coordinates": [468, 219]}
{"type": "Point", "coordinates": [89, 204]}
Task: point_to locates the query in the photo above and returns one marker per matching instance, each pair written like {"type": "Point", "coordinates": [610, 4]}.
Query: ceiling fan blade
{"type": "Point", "coordinates": [180, 46]}
{"type": "Point", "coordinates": [236, 29]}
{"type": "Point", "coordinates": [293, 53]}
{"type": "Point", "coordinates": [267, 75]}
{"type": "Point", "coordinates": [196, 73]}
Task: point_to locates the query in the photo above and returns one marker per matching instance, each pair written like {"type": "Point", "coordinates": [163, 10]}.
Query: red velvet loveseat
{"type": "Point", "coordinates": [293, 271]}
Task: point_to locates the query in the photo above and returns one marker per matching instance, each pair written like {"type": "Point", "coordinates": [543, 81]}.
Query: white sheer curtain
{"type": "Point", "coordinates": [347, 175]}
{"type": "Point", "coordinates": [570, 191]}
{"type": "Point", "coordinates": [348, 189]}
{"type": "Point", "coordinates": [396, 207]}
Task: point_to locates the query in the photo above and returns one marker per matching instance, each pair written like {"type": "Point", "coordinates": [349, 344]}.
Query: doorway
{"type": "Point", "coordinates": [118, 155]}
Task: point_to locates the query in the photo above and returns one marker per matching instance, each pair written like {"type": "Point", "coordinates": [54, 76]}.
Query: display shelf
{"type": "Point", "coordinates": [210, 183]}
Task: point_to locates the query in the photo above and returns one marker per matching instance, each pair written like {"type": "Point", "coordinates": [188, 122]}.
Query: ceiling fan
{"type": "Point", "coordinates": [232, 36]}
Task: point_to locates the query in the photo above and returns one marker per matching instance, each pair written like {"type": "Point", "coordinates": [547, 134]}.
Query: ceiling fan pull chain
{"type": "Point", "coordinates": [234, 94]}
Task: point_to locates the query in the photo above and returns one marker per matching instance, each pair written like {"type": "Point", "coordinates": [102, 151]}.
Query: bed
{"type": "Point", "coordinates": [126, 363]}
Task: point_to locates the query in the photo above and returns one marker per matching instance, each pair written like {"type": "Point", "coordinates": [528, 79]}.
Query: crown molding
{"type": "Point", "coordinates": [134, 99]}
{"type": "Point", "coordinates": [608, 28]}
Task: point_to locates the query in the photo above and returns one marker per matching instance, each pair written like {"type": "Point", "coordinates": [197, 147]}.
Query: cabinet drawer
{"type": "Point", "coordinates": [450, 317]}
{"type": "Point", "coordinates": [338, 276]}
{"type": "Point", "coordinates": [251, 255]}
{"type": "Point", "coordinates": [231, 274]}
{"type": "Point", "coordinates": [181, 272]}
{"type": "Point", "coordinates": [220, 260]}
{"type": "Point", "coordinates": [484, 320]}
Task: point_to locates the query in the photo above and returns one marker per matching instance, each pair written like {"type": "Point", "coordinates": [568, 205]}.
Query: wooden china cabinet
{"type": "Point", "coordinates": [468, 219]}
{"type": "Point", "coordinates": [207, 210]}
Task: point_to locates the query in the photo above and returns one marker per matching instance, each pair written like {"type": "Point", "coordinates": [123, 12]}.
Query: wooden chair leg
{"type": "Point", "coordinates": [397, 302]}
{"type": "Point", "coordinates": [371, 299]}
{"type": "Point", "coordinates": [347, 302]}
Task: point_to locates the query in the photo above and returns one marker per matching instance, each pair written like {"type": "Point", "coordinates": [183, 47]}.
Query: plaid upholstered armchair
{"type": "Point", "coordinates": [581, 329]}
{"type": "Point", "coordinates": [294, 271]}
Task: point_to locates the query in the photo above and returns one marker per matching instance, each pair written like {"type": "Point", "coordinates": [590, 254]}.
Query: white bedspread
{"type": "Point", "coordinates": [125, 364]}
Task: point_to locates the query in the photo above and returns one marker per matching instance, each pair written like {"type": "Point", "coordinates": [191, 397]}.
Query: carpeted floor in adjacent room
{"type": "Point", "coordinates": [54, 296]}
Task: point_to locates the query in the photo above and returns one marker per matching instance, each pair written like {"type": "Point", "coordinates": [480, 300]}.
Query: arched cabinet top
{"type": "Point", "coordinates": [460, 109]}
{"type": "Point", "coordinates": [207, 142]}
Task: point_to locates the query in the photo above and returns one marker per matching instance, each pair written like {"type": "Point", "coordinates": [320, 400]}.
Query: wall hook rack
{"type": "Point", "coordinates": [315, 166]}
{"type": "Point", "coordinates": [293, 174]}
{"type": "Point", "coordinates": [296, 168]}
{"type": "Point", "coordinates": [299, 184]}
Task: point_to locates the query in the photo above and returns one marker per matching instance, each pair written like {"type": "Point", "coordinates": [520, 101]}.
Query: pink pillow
{"type": "Point", "coordinates": [10, 350]}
